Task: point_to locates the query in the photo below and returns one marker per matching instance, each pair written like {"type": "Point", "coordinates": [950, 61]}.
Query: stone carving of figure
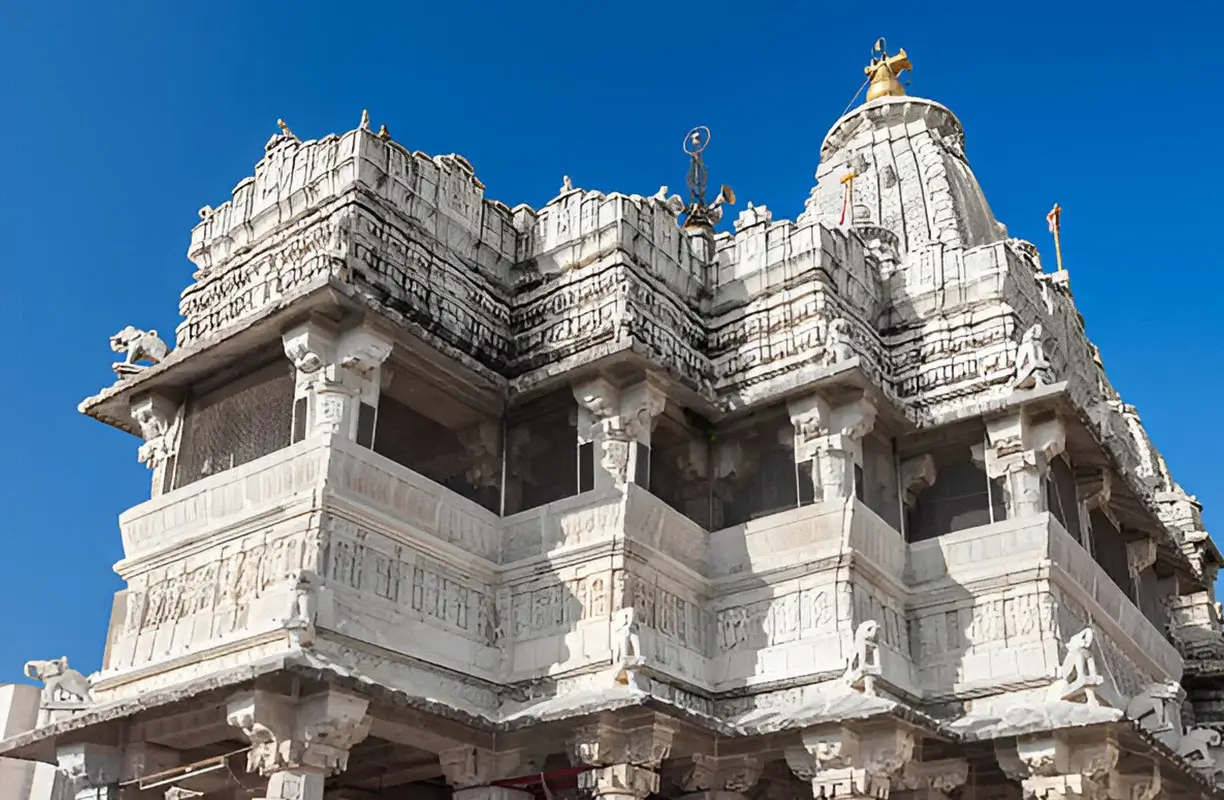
{"type": "Point", "coordinates": [837, 342]}
{"type": "Point", "coordinates": [1032, 368]}
{"type": "Point", "coordinates": [303, 607]}
{"type": "Point", "coordinates": [63, 687]}
{"type": "Point", "coordinates": [863, 665]}
{"type": "Point", "coordinates": [566, 185]}
{"type": "Point", "coordinates": [1077, 675]}
{"type": "Point", "coordinates": [626, 643]}
{"type": "Point", "coordinates": [137, 346]}
{"type": "Point", "coordinates": [1197, 746]}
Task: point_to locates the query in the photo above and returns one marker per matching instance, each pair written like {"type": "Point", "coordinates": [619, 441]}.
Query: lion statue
{"type": "Point", "coordinates": [61, 684]}
{"type": "Point", "coordinates": [864, 662]}
{"type": "Point", "coordinates": [137, 346]}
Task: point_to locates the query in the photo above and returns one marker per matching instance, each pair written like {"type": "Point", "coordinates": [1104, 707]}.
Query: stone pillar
{"type": "Point", "coordinates": [1053, 767]}
{"type": "Point", "coordinates": [830, 438]}
{"type": "Point", "coordinates": [1018, 449]}
{"type": "Point", "coordinates": [842, 763]}
{"type": "Point", "coordinates": [296, 745]}
{"type": "Point", "coordinates": [87, 772]}
{"type": "Point", "coordinates": [338, 380]}
{"type": "Point", "coordinates": [617, 424]}
{"type": "Point", "coordinates": [470, 770]}
{"type": "Point", "coordinates": [160, 421]}
{"type": "Point", "coordinates": [726, 778]}
{"type": "Point", "coordinates": [624, 762]}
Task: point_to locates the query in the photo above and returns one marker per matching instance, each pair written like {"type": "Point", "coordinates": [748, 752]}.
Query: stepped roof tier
{"type": "Point", "coordinates": [451, 498]}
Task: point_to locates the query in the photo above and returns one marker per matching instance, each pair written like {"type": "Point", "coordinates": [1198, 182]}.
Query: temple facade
{"type": "Point", "coordinates": [456, 500]}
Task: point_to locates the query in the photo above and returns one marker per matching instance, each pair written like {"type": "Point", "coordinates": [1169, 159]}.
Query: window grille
{"type": "Point", "coordinates": [236, 423]}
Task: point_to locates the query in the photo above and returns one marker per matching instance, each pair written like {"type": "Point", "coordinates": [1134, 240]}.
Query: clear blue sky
{"type": "Point", "coordinates": [121, 119]}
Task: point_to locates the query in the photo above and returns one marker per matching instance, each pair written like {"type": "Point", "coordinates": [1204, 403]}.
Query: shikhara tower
{"type": "Point", "coordinates": [450, 497]}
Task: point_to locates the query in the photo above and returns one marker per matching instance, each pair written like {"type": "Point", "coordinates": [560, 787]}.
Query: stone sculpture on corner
{"type": "Point", "coordinates": [137, 346]}
{"type": "Point", "coordinates": [863, 665]}
{"type": "Point", "coordinates": [626, 644]}
{"type": "Point", "coordinates": [1157, 710]}
{"type": "Point", "coordinates": [1077, 678]}
{"type": "Point", "coordinates": [303, 608]}
{"type": "Point", "coordinates": [64, 689]}
{"type": "Point", "coordinates": [1032, 368]}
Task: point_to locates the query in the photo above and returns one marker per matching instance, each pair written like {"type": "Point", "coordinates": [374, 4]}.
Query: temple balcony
{"type": "Point", "coordinates": [414, 571]}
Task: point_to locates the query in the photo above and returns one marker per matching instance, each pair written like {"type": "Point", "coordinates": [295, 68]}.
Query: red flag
{"type": "Point", "coordinates": [1053, 218]}
{"type": "Point", "coordinates": [847, 180]}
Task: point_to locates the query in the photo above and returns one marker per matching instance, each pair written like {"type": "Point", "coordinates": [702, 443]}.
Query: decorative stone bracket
{"type": "Point", "coordinates": [831, 439]}
{"type": "Point", "coordinates": [298, 744]}
{"type": "Point", "coordinates": [842, 763]}
{"type": "Point", "coordinates": [1054, 767]}
{"type": "Point", "coordinates": [619, 424]}
{"type": "Point", "coordinates": [625, 758]}
{"type": "Point", "coordinates": [468, 766]}
{"type": "Point", "coordinates": [1141, 554]}
{"type": "Point", "coordinates": [1019, 450]}
{"type": "Point", "coordinates": [337, 374]}
{"type": "Point", "coordinates": [708, 773]}
{"type": "Point", "coordinates": [934, 780]}
{"type": "Point", "coordinates": [160, 420]}
{"type": "Point", "coordinates": [917, 475]}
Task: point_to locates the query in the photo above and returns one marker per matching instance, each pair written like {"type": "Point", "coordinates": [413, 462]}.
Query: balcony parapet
{"type": "Point", "coordinates": [993, 605]}
{"type": "Point", "coordinates": [773, 601]}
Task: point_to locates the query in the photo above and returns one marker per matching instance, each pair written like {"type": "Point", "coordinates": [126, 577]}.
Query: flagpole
{"type": "Point", "coordinates": [1054, 218]}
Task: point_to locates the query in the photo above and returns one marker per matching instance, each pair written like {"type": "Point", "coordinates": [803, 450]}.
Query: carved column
{"type": "Point", "coordinates": [1019, 451]}
{"type": "Point", "coordinates": [483, 445]}
{"type": "Point", "coordinates": [617, 425]}
{"type": "Point", "coordinates": [160, 424]}
{"type": "Point", "coordinates": [470, 770]}
{"type": "Point", "coordinates": [87, 772]}
{"type": "Point", "coordinates": [841, 763]}
{"type": "Point", "coordinates": [624, 761]}
{"type": "Point", "coordinates": [296, 745]}
{"type": "Point", "coordinates": [830, 439]}
{"type": "Point", "coordinates": [1055, 767]}
{"type": "Point", "coordinates": [338, 380]}
{"type": "Point", "coordinates": [726, 778]}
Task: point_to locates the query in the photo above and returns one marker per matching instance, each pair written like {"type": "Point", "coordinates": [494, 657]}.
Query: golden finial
{"type": "Point", "coordinates": [883, 71]}
{"type": "Point", "coordinates": [285, 129]}
{"type": "Point", "coordinates": [383, 133]}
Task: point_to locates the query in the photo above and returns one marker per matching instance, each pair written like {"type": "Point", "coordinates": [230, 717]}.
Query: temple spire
{"type": "Point", "coordinates": [884, 70]}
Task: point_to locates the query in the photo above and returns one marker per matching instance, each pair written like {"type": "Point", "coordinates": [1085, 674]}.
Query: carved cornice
{"type": "Point", "coordinates": [708, 773]}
